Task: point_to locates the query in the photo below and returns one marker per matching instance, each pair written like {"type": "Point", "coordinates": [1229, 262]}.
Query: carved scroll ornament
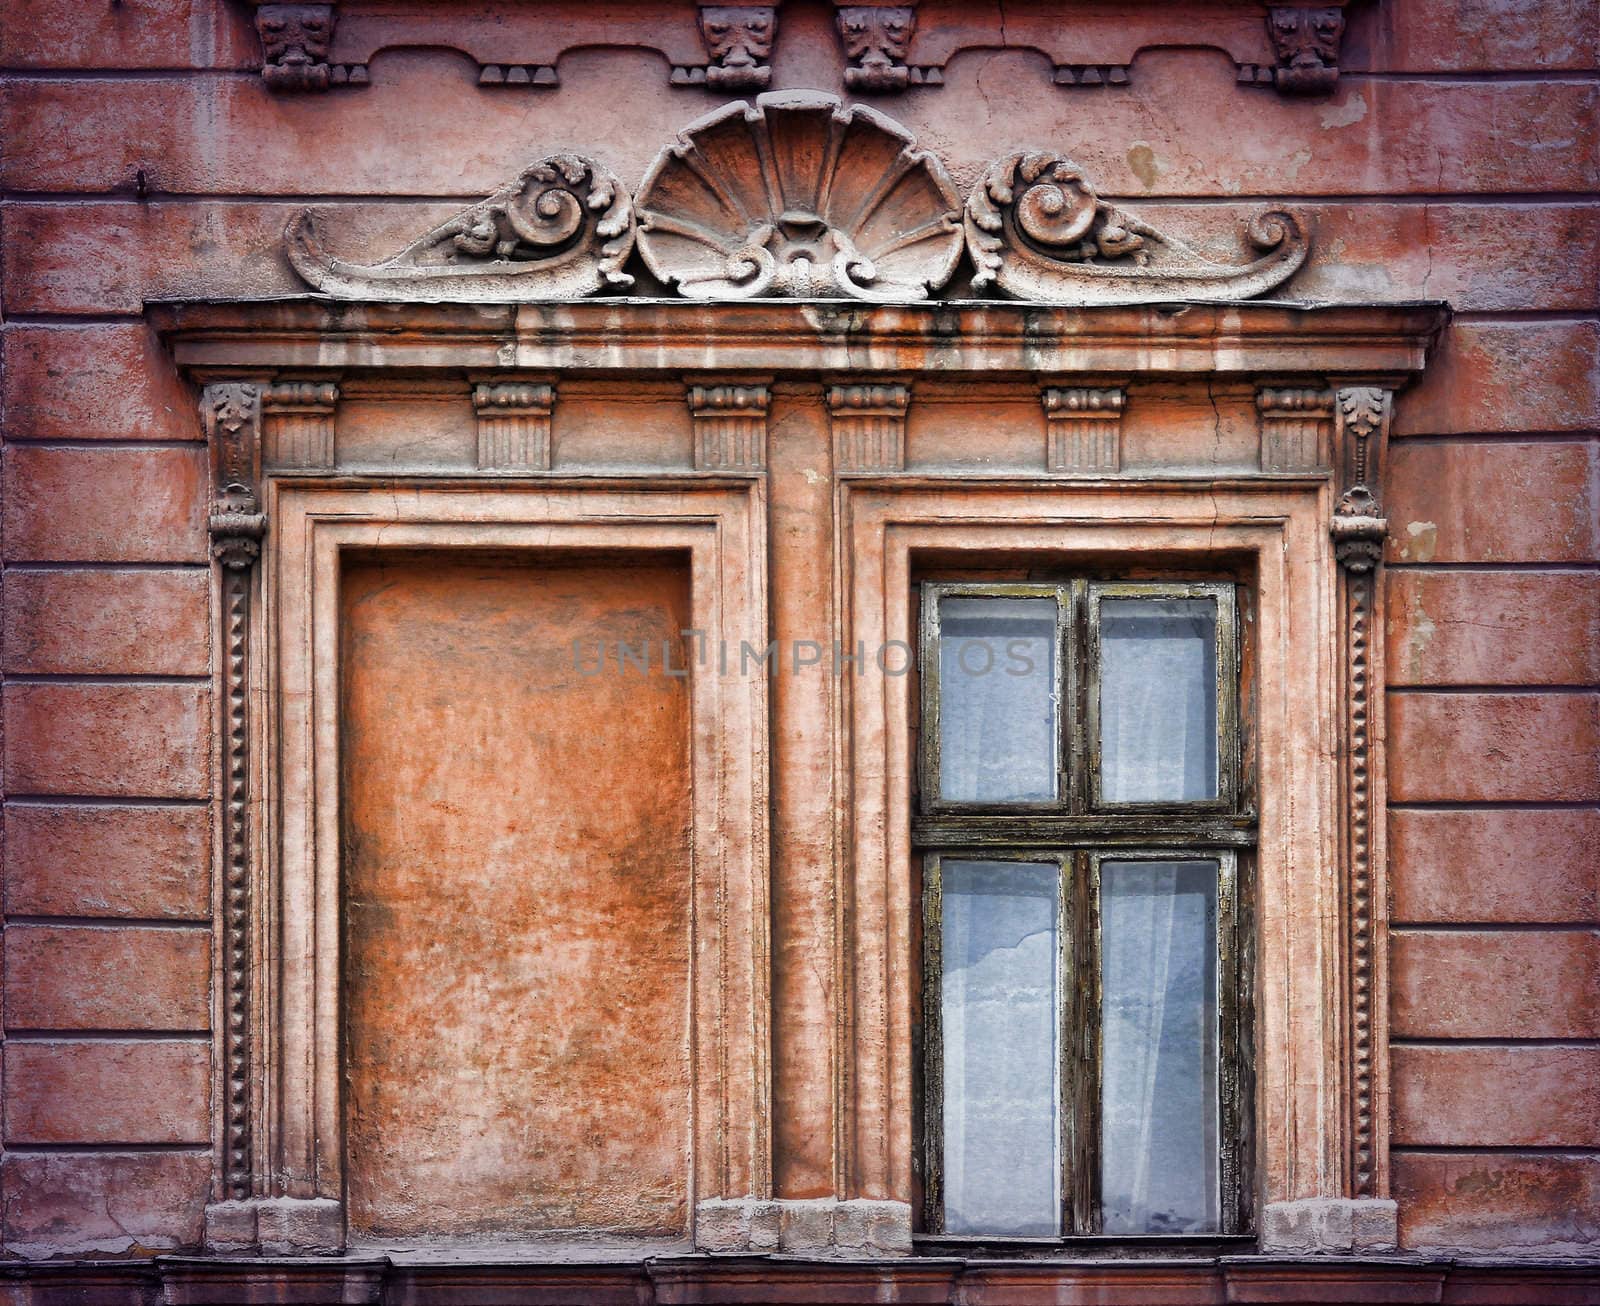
{"type": "Point", "coordinates": [798, 195]}
{"type": "Point", "coordinates": [1037, 230]}
{"type": "Point", "coordinates": [562, 229]}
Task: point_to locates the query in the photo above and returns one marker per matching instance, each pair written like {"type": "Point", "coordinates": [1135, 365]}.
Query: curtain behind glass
{"type": "Point", "coordinates": [1002, 1128]}
{"type": "Point", "coordinates": [1158, 700]}
{"type": "Point", "coordinates": [1159, 1126]}
{"type": "Point", "coordinates": [997, 699]}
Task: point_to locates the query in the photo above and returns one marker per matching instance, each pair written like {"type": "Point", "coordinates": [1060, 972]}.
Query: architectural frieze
{"type": "Point", "coordinates": [798, 195]}
{"type": "Point", "coordinates": [883, 49]}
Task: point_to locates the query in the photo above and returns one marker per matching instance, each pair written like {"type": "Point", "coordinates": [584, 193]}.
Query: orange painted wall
{"type": "Point", "coordinates": [1458, 159]}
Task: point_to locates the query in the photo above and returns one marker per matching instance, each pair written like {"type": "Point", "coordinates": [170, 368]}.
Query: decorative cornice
{"type": "Point", "coordinates": [1296, 50]}
{"type": "Point", "coordinates": [730, 423]}
{"type": "Point", "coordinates": [673, 336]}
{"type": "Point", "coordinates": [562, 229]}
{"type": "Point", "coordinates": [869, 425]}
{"type": "Point", "coordinates": [513, 424]}
{"type": "Point", "coordinates": [798, 195]}
{"type": "Point", "coordinates": [1084, 428]}
{"type": "Point", "coordinates": [1037, 230]}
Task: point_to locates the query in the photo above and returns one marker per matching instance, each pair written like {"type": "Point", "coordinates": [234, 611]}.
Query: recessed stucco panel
{"type": "Point", "coordinates": [516, 900]}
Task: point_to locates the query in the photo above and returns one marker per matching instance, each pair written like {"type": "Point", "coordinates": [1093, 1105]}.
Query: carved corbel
{"type": "Point", "coordinates": [231, 416]}
{"type": "Point", "coordinates": [1358, 527]}
{"type": "Point", "coordinates": [739, 40]}
{"type": "Point", "coordinates": [514, 425]}
{"type": "Point", "coordinates": [297, 419]}
{"type": "Point", "coordinates": [1296, 426]}
{"type": "Point", "coordinates": [869, 426]}
{"type": "Point", "coordinates": [295, 40]}
{"type": "Point", "coordinates": [730, 423]}
{"type": "Point", "coordinates": [1084, 428]}
{"type": "Point", "coordinates": [1037, 230]}
{"type": "Point", "coordinates": [876, 40]}
{"type": "Point", "coordinates": [1305, 41]}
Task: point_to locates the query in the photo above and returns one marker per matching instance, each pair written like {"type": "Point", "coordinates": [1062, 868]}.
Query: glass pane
{"type": "Point", "coordinates": [1002, 1128]}
{"type": "Point", "coordinates": [1158, 700]}
{"type": "Point", "coordinates": [1158, 1091]}
{"type": "Point", "coordinates": [997, 699]}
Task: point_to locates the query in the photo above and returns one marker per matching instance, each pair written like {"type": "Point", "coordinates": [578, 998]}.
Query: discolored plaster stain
{"type": "Point", "coordinates": [1418, 639]}
{"type": "Point", "coordinates": [1424, 537]}
{"type": "Point", "coordinates": [1351, 111]}
{"type": "Point", "coordinates": [1142, 163]}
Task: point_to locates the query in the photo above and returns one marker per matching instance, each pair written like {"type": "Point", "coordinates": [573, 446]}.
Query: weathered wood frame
{"type": "Point", "coordinates": [719, 526]}
{"type": "Point", "coordinates": [1075, 843]}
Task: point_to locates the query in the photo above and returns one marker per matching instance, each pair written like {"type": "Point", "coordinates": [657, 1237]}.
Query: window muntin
{"type": "Point", "coordinates": [1143, 1105]}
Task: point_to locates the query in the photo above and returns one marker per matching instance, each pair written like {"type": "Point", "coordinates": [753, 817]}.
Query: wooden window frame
{"type": "Point", "coordinates": [1077, 832]}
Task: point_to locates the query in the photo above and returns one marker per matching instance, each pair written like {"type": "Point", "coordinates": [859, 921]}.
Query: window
{"type": "Point", "coordinates": [1085, 825]}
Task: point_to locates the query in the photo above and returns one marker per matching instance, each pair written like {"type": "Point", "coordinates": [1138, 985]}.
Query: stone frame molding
{"type": "Point", "coordinates": [1314, 530]}
{"type": "Point", "coordinates": [284, 1160]}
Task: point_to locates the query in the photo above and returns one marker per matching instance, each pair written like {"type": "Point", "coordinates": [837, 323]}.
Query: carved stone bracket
{"type": "Point", "coordinates": [798, 195]}
{"type": "Point", "coordinates": [739, 40]}
{"type": "Point", "coordinates": [1305, 42]}
{"type": "Point", "coordinates": [1084, 428]}
{"type": "Point", "coordinates": [514, 424]}
{"type": "Point", "coordinates": [730, 423]}
{"type": "Point", "coordinates": [563, 229]}
{"type": "Point", "coordinates": [231, 416]}
{"type": "Point", "coordinates": [297, 423]}
{"type": "Point", "coordinates": [1296, 427]}
{"type": "Point", "coordinates": [869, 426]}
{"type": "Point", "coordinates": [1358, 528]}
{"type": "Point", "coordinates": [1037, 230]}
{"type": "Point", "coordinates": [876, 39]}
{"type": "Point", "coordinates": [295, 40]}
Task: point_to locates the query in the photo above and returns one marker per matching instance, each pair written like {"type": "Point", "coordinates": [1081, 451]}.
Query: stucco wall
{"type": "Point", "coordinates": [1457, 160]}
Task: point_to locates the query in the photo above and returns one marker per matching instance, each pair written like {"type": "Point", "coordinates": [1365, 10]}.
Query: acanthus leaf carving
{"type": "Point", "coordinates": [798, 195]}
{"type": "Point", "coordinates": [1036, 229]}
{"type": "Point", "coordinates": [562, 229]}
{"type": "Point", "coordinates": [877, 39]}
{"type": "Point", "coordinates": [295, 40]}
{"type": "Point", "coordinates": [1305, 40]}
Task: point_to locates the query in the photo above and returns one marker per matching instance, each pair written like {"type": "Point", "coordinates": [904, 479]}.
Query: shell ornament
{"type": "Point", "coordinates": [798, 195]}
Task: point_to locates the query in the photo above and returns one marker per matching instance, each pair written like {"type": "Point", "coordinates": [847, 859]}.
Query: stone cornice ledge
{"type": "Point", "coordinates": [313, 333]}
